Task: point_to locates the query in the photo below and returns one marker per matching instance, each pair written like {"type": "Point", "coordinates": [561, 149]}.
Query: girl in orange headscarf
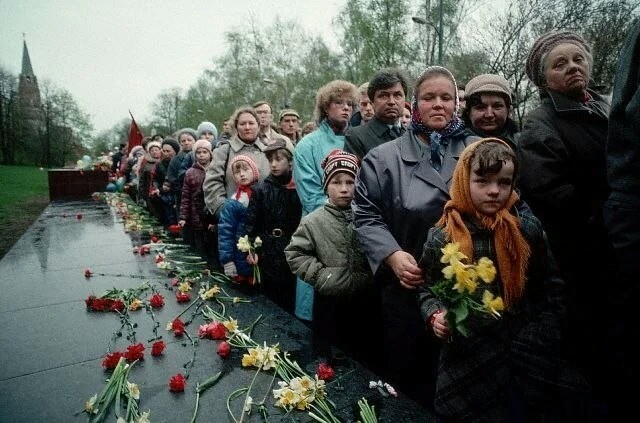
{"type": "Point", "coordinates": [505, 368]}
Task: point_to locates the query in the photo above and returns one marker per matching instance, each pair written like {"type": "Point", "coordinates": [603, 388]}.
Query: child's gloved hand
{"type": "Point", "coordinates": [438, 323]}
{"type": "Point", "coordinates": [230, 269]}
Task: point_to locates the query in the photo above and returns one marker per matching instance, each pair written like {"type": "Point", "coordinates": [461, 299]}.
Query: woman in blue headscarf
{"type": "Point", "coordinates": [400, 193]}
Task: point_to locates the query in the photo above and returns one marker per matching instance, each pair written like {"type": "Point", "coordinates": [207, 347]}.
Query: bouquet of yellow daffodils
{"type": "Point", "coordinates": [459, 292]}
{"type": "Point", "coordinates": [246, 246]}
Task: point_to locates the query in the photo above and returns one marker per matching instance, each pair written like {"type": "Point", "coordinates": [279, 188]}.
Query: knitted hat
{"type": "Point", "coordinates": [488, 83]}
{"type": "Point", "coordinates": [153, 144]}
{"type": "Point", "coordinates": [338, 161]}
{"type": "Point", "coordinates": [534, 66]}
{"type": "Point", "coordinates": [249, 161]}
{"type": "Point", "coordinates": [173, 143]}
{"type": "Point", "coordinates": [288, 112]}
{"type": "Point", "coordinates": [188, 131]}
{"type": "Point", "coordinates": [202, 144]}
{"type": "Point", "coordinates": [207, 127]}
{"type": "Point", "coordinates": [135, 150]}
{"type": "Point", "coordinates": [278, 144]}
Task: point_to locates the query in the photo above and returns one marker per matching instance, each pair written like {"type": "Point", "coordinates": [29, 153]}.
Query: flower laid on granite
{"type": "Point", "coordinates": [111, 360]}
{"type": "Point", "coordinates": [103, 304]}
{"type": "Point", "coordinates": [156, 300]}
{"type": "Point", "coordinates": [246, 246]}
{"type": "Point", "coordinates": [177, 383]}
{"type": "Point", "coordinates": [325, 372]}
{"type": "Point", "coordinates": [87, 273]}
{"type": "Point", "coordinates": [134, 352]}
{"type": "Point", "coordinates": [214, 330]}
{"type": "Point", "coordinates": [79, 216]}
{"type": "Point", "coordinates": [119, 391]}
{"type": "Point", "coordinates": [384, 388]}
{"type": "Point", "coordinates": [299, 393]}
{"type": "Point", "coordinates": [183, 297]}
{"type": "Point", "coordinates": [177, 326]}
{"type": "Point", "coordinates": [458, 291]}
{"type": "Point", "coordinates": [224, 349]}
{"type": "Point", "coordinates": [136, 304]}
{"type": "Point", "coordinates": [158, 348]}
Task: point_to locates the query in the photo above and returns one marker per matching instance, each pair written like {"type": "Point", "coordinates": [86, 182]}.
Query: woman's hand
{"type": "Point", "coordinates": [405, 268]}
{"type": "Point", "coordinates": [439, 324]}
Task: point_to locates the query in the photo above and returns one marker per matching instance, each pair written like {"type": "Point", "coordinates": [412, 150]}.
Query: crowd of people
{"type": "Point", "coordinates": [354, 212]}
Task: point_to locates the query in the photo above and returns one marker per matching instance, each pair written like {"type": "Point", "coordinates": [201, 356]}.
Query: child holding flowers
{"type": "Point", "coordinates": [324, 252]}
{"type": "Point", "coordinates": [505, 368]}
{"type": "Point", "coordinates": [232, 220]}
{"type": "Point", "coordinates": [274, 213]}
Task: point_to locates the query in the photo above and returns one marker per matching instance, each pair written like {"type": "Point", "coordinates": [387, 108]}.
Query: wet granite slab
{"type": "Point", "coordinates": [52, 347]}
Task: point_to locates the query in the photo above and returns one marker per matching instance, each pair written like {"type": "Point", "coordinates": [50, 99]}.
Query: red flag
{"type": "Point", "coordinates": [135, 135]}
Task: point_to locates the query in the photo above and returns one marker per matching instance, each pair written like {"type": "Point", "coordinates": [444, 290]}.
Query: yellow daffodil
{"type": "Point", "coordinates": [134, 390]}
{"type": "Point", "coordinates": [465, 279]}
{"type": "Point", "coordinates": [250, 359]}
{"type": "Point", "coordinates": [89, 405]}
{"type": "Point", "coordinates": [236, 300]}
{"type": "Point", "coordinates": [257, 242]}
{"type": "Point", "coordinates": [184, 287]}
{"type": "Point", "coordinates": [486, 270]}
{"type": "Point", "coordinates": [135, 304]}
{"type": "Point", "coordinates": [144, 418]}
{"type": "Point", "coordinates": [231, 325]}
{"type": "Point", "coordinates": [170, 325]}
{"type": "Point", "coordinates": [492, 304]}
{"type": "Point", "coordinates": [451, 253]}
{"type": "Point", "coordinates": [210, 293]}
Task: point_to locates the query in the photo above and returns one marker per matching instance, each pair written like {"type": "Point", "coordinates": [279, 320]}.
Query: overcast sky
{"type": "Point", "coordinates": [116, 55]}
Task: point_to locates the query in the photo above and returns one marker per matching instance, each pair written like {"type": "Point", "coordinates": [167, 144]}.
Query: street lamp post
{"type": "Point", "coordinates": [284, 87]}
{"type": "Point", "coordinates": [423, 21]}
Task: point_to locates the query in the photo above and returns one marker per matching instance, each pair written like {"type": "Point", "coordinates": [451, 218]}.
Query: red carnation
{"type": "Point", "coordinates": [89, 301]}
{"type": "Point", "coordinates": [134, 352]}
{"type": "Point", "coordinates": [325, 372]}
{"type": "Point", "coordinates": [87, 273]}
{"type": "Point", "coordinates": [117, 305]}
{"type": "Point", "coordinates": [111, 360]}
{"type": "Point", "coordinates": [174, 229]}
{"type": "Point", "coordinates": [183, 297]}
{"type": "Point", "coordinates": [177, 383]}
{"type": "Point", "coordinates": [224, 349]}
{"type": "Point", "coordinates": [79, 216]}
{"type": "Point", "coordinates": [157, 348]}
{"type": "Point", "coordinates": [136, 250]}
{"type": "Point", "coordinates": [154, 239]}
{"type": "Point", "coordinates": [175, 281]}
{"type": "Point", "coordinates": [144, 250]}
{"type": "Point", "coordinates": [217, 330]}
{"type": "Point", "coordinates": [178, 327]}
{"type": "Point", "coordinates": [156, 301]}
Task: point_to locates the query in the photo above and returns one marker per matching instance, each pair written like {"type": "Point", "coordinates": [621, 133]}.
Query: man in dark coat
{"type": "Point", "coordinates": [387, 91]}
{"type": "Point", "coordinates": [622, 220]}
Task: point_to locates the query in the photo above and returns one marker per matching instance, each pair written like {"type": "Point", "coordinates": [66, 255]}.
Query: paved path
{"type": "Point", "coordinates": [52, 347]}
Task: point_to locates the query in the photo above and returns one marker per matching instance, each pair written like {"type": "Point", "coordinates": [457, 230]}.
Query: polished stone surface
{"type": "Point", "coordinates": [52, 347]}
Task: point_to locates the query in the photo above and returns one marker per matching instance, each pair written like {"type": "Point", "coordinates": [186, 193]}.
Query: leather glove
{"type": "Point", "coordinates": [230, 269]}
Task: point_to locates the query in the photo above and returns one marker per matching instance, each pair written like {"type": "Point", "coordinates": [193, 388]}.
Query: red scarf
{"type": "Point", "coordinates": [243, 188]}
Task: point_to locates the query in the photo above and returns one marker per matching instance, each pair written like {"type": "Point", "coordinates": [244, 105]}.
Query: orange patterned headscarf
{"type": "Point", "coordinates": [512, 249]}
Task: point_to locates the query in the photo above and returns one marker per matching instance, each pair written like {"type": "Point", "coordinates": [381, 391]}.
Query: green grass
{"type": "Point", "coordinates": [19, 184]}
{"type": "Point", "coordinates": [24, 194]}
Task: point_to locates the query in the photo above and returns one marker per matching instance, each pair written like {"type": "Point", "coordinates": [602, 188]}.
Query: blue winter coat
{"type": "Point", "coordinates": [230, 228]}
